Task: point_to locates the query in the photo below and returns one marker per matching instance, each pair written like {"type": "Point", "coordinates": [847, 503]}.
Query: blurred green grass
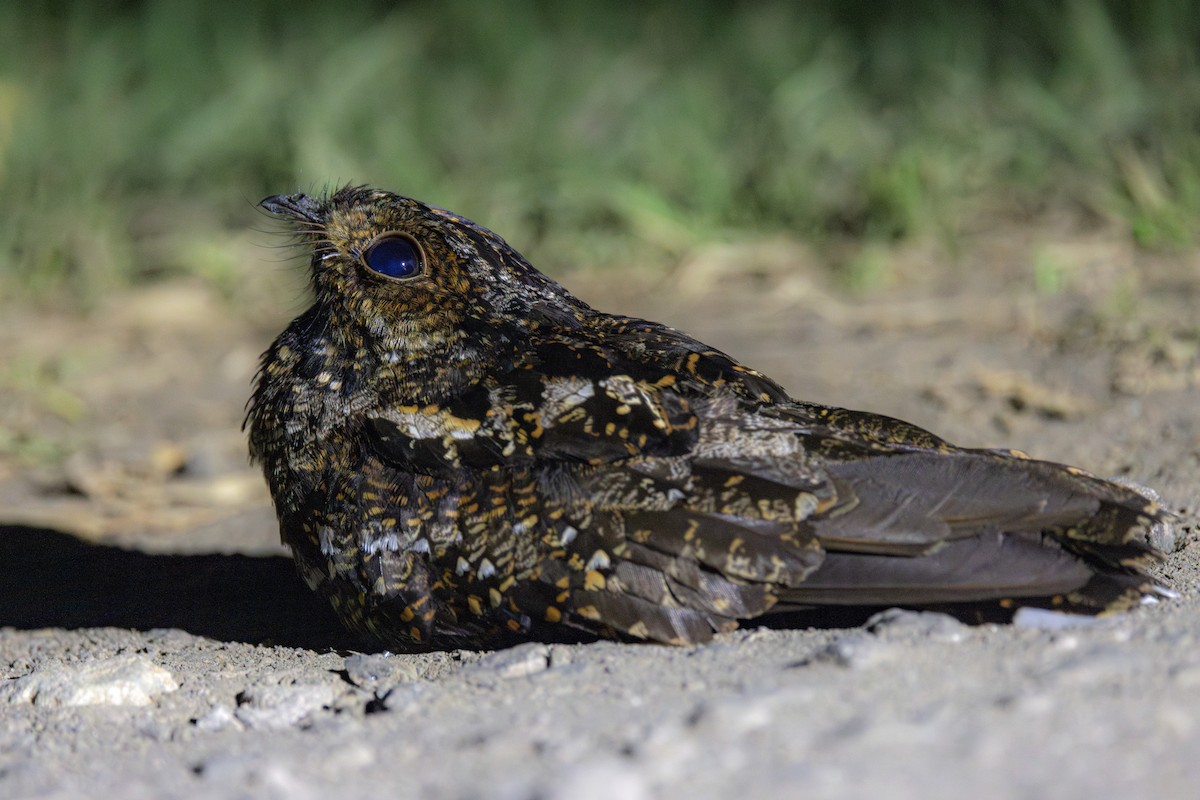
{"type": "Point", "coordinates": [135, 137]}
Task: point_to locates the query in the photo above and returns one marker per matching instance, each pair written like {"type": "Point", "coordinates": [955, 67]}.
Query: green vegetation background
{"type": "Point", "coordinates": [135, 137]}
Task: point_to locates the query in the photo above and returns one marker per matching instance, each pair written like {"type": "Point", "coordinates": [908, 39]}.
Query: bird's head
{"type": "Point", "coordinates": [393, 265]}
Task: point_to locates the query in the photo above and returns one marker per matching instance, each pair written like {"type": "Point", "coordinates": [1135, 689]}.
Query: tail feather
{"type": "Point", "coordinates": [999, 526]}
{"type": "Point", "coordinates": [989, 566]}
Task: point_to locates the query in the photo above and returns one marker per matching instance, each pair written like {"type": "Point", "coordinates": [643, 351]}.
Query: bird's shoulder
{"type": "Point", "coordinates": [562, 394]}
{"type": "Point", "coordinates": [636, 344]}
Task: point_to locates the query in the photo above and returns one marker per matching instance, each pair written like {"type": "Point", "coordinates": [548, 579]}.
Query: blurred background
{"type": "Point", "coordinates": [136, 136]}
{"type": "Point", "coordinates": [829, 155]}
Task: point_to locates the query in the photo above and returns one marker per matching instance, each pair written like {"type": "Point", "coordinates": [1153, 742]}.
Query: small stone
{"type": "Point", "coordinates": [561, 656]}
{"type": "Point", "coordinates": [277, 707]}
{"type": "Point", "coordinates": [919, 624]}
{"type": "Point", "coordinates": [857, 651]}
{"type": "Point", "coordinates": [403, 698]}
{"type": "Point", "coordinates": [516, 662]}
{"type": "Point", "coordinates": [218, 718]}
{"type": "Point", "coordinates": [379, 672]}
{"type": "Point", "coordinates": [120, 681]}
{"type": "Point", "coordinates": [1047, 620]}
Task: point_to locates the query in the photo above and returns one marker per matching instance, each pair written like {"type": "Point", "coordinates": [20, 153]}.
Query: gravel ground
{"type": "Point", "coordinates": [158, 643]}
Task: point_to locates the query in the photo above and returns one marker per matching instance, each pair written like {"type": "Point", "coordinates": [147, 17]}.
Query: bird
{"type": "Point", "coordinates": [462, 454]}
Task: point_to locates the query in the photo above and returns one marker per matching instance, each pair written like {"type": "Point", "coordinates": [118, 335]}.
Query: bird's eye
{"type": "Point", "coordinates": [394, 255]}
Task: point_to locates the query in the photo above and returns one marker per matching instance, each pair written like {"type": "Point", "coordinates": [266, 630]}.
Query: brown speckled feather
{"type": "Point", "coordinates": [460, 452]}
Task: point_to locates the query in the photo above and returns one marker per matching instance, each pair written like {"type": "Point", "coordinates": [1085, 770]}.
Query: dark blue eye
{"type": "Point", "coordinates": [395, 256]}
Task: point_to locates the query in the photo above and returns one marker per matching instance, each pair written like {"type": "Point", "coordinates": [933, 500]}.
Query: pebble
{"type": "Point", "coordinates": [1049, 620]}
{"type": "Point", "coordinates": [277, 707]}
{"type": "Point", "coordinates": [118, 681]}
{"type": "Point", "coordinates": [379, 672]}
{"type": "Point", "coordinates": [918, 624]}
{"type": "Point", "coordinates": [218, 718]}
{"type": "Point", "coordinates": [515, 662]}
{"type": "Point", "coordinates": [857, 651]}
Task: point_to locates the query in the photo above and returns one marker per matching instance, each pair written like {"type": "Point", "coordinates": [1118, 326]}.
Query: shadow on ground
{"type": "Point", "coordinates": [51, 579]}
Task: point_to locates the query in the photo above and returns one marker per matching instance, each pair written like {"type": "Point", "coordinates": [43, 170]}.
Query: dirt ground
{"type": "Point", "coordinates": [157, 643]}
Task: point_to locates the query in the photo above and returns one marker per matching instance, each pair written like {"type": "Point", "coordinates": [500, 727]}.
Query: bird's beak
{"type": "Point", "coordinates": [299, 207]}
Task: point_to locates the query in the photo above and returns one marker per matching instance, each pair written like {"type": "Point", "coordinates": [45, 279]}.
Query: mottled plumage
{"type": "Point", "coordinates": [460, 452]}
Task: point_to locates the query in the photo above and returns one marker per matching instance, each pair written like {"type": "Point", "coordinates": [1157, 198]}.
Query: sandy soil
{"type": "Point", "coordinates": [158, 644]}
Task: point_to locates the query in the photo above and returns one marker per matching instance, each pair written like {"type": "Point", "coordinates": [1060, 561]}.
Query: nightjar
{"type": "Point", "coordinates": [462, 453]}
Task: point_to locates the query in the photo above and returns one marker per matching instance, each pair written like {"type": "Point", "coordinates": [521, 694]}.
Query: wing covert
{"type": "Point", "coordinates": [561, 402]}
